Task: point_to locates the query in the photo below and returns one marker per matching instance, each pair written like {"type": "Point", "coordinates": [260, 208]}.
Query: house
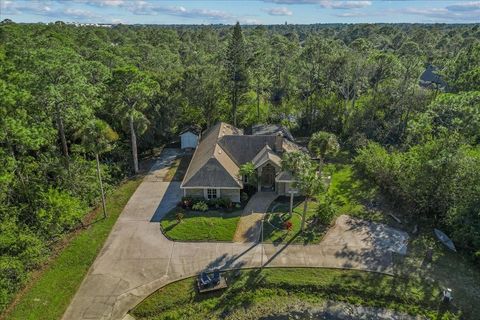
{"type": "Point", "coordinates": [430, 79]}
{"type": "Point", "coordinates": [189, 138]}
{"type": "Point", "coordinates": [214, 169]}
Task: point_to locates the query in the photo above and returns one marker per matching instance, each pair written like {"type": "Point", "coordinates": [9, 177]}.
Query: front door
{"type": "Point", "coordinates": [268, 178]}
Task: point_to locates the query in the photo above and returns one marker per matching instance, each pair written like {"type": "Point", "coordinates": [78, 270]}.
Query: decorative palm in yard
{"type": "Point", "coordinates": [323, 144]}
{"type": "Point", "coordinates": [307, 177]}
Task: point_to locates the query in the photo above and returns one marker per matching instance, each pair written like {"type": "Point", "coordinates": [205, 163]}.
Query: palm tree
{"type": "Point", "coordinates": [307, 177]}
{"type": "Point", "coordinates": [96, 138]}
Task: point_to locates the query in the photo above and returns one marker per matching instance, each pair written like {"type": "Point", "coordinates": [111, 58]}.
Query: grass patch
{"type": "Point", "coordinates": [348, 193]}
{"type": "Point", "coordinates": [252, 294]}
{"type": "Point", "coordinates": [178, 168]}
{"type": "Point", "coordinates": [48, 297]}
{"type": "Point", "coordinates": [448, 269]}
{"type": "Point", "coordinates": [213, 225]}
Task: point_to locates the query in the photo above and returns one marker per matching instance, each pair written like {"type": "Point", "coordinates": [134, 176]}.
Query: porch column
{"type": "Point", "coordinates": [259, 178]}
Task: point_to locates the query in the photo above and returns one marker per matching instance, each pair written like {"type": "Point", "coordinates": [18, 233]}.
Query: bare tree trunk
{"type": "Point", "coordinates": [104, 205]}
{"type": "Point", "coordinates": [61, 133]}
{"type": "Point", "coordinates": [304, 216]}
{"type": "Point", "coordinates": [134, 145]}
{"type": "Point", "coordinates": [234, 104]}
{"type": "Point", "coordinates": [258, 103]}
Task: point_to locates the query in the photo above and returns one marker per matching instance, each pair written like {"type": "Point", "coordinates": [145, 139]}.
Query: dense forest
{"type": "Point", "coordinates": [70, 95]}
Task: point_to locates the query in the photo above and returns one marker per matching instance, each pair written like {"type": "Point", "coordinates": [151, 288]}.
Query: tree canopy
{"type": "Point", "coordinates": [63, 86]}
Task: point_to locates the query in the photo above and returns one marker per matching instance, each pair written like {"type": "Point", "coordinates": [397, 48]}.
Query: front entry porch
{"type": "Point", "coordinates": [267, 175]}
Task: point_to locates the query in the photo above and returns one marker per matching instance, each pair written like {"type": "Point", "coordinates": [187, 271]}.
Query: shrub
{"type": "Point", "coordinates": [326, 211]}
{"type": "Point", "coordinates": [200, 206]}
{"type": "Point", "coordinates": [244, 197]}
{"type": "Point", "coordinates": [212, 203]}
{"type": "Point", "coordinates": [288, 225]}
{"type": "Point", "coordinates": [186, 202]}
{"type": "Point", "coordinates": [189, 202]}
{"type": "Point", "coordinates": [179, 216]}
{"type": "Point", "coordinates": [225, 203]}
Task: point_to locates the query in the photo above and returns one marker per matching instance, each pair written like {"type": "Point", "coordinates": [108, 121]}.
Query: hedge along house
{"type": "Point", "coordinates": [214, 169]}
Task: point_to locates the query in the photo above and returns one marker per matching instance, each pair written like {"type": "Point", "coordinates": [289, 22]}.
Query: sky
{"type": "Point", "coordinates": [246, 12]}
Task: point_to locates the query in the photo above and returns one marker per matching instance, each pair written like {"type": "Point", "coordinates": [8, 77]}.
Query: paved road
{"type": "Point", "coordinates": [137, 259]}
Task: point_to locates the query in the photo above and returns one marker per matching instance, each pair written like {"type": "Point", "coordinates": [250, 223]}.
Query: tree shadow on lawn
{"type": "Point", "coordinates": [368, 244]}
{"type": "Point", "coordinates": [401, 293]}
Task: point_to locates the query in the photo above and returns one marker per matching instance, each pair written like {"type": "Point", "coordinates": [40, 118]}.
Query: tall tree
{"type": "Point", "coordinates": [260, 65]}
{"type": "Point", "coordinates": [236, 69]}
{"type": "Point", "coordinates": [97, 137]}
{"type": "Point", "coordinates": [65, 89]}
{"type": "Point", "coordinates": [307, 177]}
{"type": "Point", "coordinates": [131, 94]}
{"type": "Point", "coordinates": [323, 144]}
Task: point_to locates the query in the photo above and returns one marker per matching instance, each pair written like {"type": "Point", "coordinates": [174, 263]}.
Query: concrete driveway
{"type": "Point", "coordinates": [137, 259]}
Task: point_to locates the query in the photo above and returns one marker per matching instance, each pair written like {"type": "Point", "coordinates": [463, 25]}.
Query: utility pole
{"type": "Point", "coordinates": [261, 238]}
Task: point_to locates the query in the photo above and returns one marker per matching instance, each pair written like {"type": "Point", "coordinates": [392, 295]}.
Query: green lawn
{"type": "Point", "coordinates": [212, 225]}
{"type": "Point", "coordinates": [49, 296]}
{"type": "Point", "coordinates": [348, 193]}
{"type": "Point", "coordinates": [252, 294]}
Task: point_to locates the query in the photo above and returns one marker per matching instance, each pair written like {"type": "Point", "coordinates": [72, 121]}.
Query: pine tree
{"type": "Point", "coordinates": [236, 69]}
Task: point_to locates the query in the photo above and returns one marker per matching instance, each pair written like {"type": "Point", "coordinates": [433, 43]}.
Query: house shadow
{"type": "Point", "coordinates": [170, 199]}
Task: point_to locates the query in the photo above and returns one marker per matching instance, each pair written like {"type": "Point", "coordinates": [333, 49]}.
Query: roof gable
{"type": "Point", "coordinates": [265, 155]}
{"type": "Point", "coordinates": [243, 149]}
{"type": "Point", "coordinates": [212, 174]}
{"type": "Point", "coordinates": [210, 165]}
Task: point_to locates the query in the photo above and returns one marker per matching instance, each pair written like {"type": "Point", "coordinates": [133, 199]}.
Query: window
{"type": "Point", "coordinates": [245, 178]}
{"type": "Point", "coordinates": [211, 193]}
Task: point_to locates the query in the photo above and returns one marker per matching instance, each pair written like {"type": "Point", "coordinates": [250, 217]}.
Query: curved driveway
{"type": "Point", "coordinates": [137, 259]}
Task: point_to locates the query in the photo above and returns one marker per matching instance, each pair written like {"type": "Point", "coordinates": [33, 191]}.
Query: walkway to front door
{"type": "Point", "coordinates": [250, 224]}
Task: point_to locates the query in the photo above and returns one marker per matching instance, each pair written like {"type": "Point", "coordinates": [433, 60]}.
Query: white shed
{"type": "Point", "coordinates": [189, 138]}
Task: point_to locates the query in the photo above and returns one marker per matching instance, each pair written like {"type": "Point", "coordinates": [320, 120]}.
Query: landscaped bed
{"type": "Point", "coordinates": [272, 292]}
{"type": "Point", "coordinates": [281, 227]}
{"type": "Point", "coordinates": [212, 225]}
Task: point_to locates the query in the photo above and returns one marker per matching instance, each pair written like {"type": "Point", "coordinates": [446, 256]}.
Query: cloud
{"type": "Point", "coordinates": [294, 1]}
{"type": "Point", "coordinates": [446, 14]}
{"type": "Point", "coordinates": [467, 6]}
{"type": "Point", "coordinates": [147, 8]}
{"type": "Point", "coordinates": [46, 9]}
{"type": "Point", "coordinates": [351, 14]}
{"type": "Point", "coordinates": [332, 4]}
{"type": "Point", "coordinates": [102, 3]}
{"type": "Point", "coordinates": [280, 11]}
